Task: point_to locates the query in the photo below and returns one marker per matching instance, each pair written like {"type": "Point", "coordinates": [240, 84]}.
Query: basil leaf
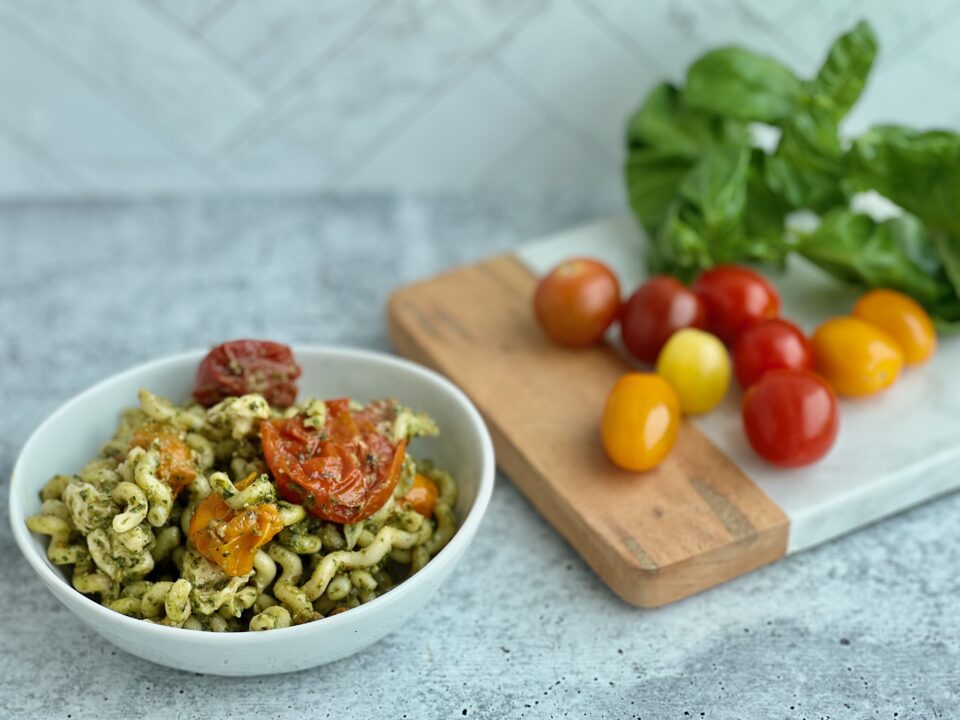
{"type": "Point", "coordinates": [744, 85]}
{"type": "Point", "coordinates": [766, 210]}
{"type": "Point", "coordinates": [665, 141]}
{"type": "Point", "coordinates": [898, 253]}
{"type": "Point", "coordinates": [809, 165]}
{"type": "Point", "coordinates": [717, 188]}
{"type": "Point", "coordinates": [919, 171]}
{"type": "Point", "coordinates": [842, 77]}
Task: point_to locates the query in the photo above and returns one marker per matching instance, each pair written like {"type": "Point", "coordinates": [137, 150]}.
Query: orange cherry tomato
{"type": "Point", "coordinates": [856, 357]}
{"type": "Point", "coordinates": [422, 495]}
{"type": "Point", "coordinates": [903, 319]}
{"type": "Point", "coordinates": [640, 421]}
{"type": "Point", "coordinates": [176, 461]}
{"type": "Point", "coordinates": [577, 301]}
{"type": "Point", "coordinates": [231, 538]}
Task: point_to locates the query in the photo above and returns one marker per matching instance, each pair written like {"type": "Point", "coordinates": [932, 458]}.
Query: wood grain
{"type": "Point", "coordinates": [693, 522]}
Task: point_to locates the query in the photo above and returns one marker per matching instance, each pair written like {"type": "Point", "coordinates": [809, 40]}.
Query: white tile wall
{"type": "Point", "coordinates": [180, 96]}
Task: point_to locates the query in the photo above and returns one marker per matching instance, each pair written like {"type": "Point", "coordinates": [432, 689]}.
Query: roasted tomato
{"type": "Point", "coordinates": [176, 461]}
{"type": "Point", "coordinates": [343, 472]}
{"type": "Point", "coordinates": [230, 538]}
{"type": "Point", "coordinates": [240, 367]}
{"type": "Point", "coordinates": [577, 301]}
{"type": "Point", "coordinates": [422, 495]}
{"type": "Point", "coordinates": [658, 308]}
{"type": "Point", "coordinates": [735, 297]}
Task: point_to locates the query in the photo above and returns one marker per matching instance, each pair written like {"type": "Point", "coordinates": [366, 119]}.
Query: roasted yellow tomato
{"type": "Point", "coordinates": [640, 421]}
{"type": "Point", "coordinates": [422, 495]}
{"type": "Point", "coordinates": [697, 365]}
{"type": "Point", "coordinates": [230, 538]}
{"type": "Point", "coordinates": [857, 358]}
{"type": "Point", "coordinates": [901, 317]}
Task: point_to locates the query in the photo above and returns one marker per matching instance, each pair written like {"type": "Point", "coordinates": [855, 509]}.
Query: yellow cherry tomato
{"type": "Point", "coordinates": [856, 357]}
{"type": "Point", "coordinates": [697, 365]}
{"type": "Point", "coordinates": [640, 421]}
{"type": "Point", "coordinates": [901, 317]}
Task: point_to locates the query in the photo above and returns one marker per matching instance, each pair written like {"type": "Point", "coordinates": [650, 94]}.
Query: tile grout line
{"type": "Point", "coordinates": [209, 51]}
{"type": "Point", "coordinates": [898, 51]}
{"type": "Point", "coordinates": [409, 117]}
{"type": "Point", "coordinates": [212, 16]}
{"type": "Point", "coordinates": [66, 175]}
{"type": "Point", "coordinates": [259, 118]}
{"type": "Point", "coordinates": [617, 34]}
{"type": "Point", "coordinates": [103, 90]}
{"type": "Point", "coordinates": [574, 132]}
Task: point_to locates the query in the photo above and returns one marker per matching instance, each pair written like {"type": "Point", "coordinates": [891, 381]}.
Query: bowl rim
{"type": "Point", "coordinates": [457, 544]}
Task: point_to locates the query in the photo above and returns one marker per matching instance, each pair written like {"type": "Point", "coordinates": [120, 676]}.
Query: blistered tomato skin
{"type": "Point", "coordinates": [577, 301]}
{"type": "Point", "coordinates": [768, 345]}
{"type": "Point", "coordinates": [640, 421]}
{"type": "Point", "coordinates": [901, 317]}
{"type": "Point", "coordinates": [790, 417]}
{"type": "Point", "coordinates": [857, 358]}
{"type": "Point", "coordinates": [240, 367]}
{"type": "Point", "coordinates": [659, 308]}
{"type": "Point", "coordinates": [697, 365]}
{"type": "Point", "coordinates": [735, 297]}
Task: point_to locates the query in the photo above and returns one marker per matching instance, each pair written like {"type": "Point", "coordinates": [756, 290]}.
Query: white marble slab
{"type": "Point", "coordinates": [894, 450]}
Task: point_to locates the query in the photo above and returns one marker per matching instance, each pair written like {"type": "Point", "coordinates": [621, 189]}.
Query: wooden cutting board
{"type": "Point", "coordinates": [711, 510]}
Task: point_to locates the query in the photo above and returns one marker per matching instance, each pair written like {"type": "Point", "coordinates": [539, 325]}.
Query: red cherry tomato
{"type": "Point", "coordinates": [658, 308]}
{"type": "Point", "coordinates": [577, 301]}
{"type": "Point", "coordinates": [735, 297]}
{"type": "Point", "coordinates": [247, 366]}
{"type": "Point", "coordinates": [767, 345]}
{"type": "Point", "coordinates": [343, 472]}
{"type": "Point", "coordinates": [790, 417]}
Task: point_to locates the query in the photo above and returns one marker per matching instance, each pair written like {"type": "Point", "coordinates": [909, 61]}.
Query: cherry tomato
{"type": "Point", "coordinates": [735, 297]}
{"type": "Point", "coordinates": [343, 472]}
{"type": "Point", "coordinates": [640, 421]}
{"type": "Point", "coordinates": [856, 357]}
{"type": "Point", "coordinates": [176, 467]}
{"type": "Point", "coordinates": [230, 538]}
{"type": "Point", "coordinates": [697, 365]}
{"type": "Point", "coordinates": [577, 301]}
{"type": "Point", "coordinates": [903, 319]}
{"type": "Point", "coordinates": [790, 417]}
{"type": "Point", "coordinates": [767, 345]}
{"type": "Point", "coordinates": [659, 307]}
{"type": "Point", "coordinates": [247, 366]}
{"type": "Point", "coordinates": [422, 495]}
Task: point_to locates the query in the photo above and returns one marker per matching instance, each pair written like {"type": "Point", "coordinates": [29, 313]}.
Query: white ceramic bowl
{"type": "Point", "coordinates": [74, 433]}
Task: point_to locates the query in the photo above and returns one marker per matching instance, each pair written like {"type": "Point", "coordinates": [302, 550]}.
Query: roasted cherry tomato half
{"type": "Point", "coordinates": [176, 466]}
{"type": "Point", "coordinates": [343, 472]}
{"type": "Point", "coordinates": [790, 417]}
{"type": "Point", "coordinates": [856, 357]}
{"type": "Point", "coordinates": [735, 297]}
{"type": "Point", "coordinates": [230, 538]}
{"type": "Point", "coordinates": [640, 421]}
{"type": "Point", "coordinates": [901, 317]}
{"type": "Point", "coordinates": [768, 345]}
{"type": "Point", "coordinates": [659, 307]}
{"type": "Point", "coordinates": [697, 365]}
{"type": "Point", "coordinates": [240, 367]}
{"type": "Point", "coordinates": [577, 301]}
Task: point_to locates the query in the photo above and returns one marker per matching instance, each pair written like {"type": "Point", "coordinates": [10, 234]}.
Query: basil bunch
{"type": "Point", "coordinates": [706, 193]}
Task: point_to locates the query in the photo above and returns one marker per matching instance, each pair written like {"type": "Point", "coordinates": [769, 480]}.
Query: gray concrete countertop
{"type": "Point", "coordinates": [864, 627]}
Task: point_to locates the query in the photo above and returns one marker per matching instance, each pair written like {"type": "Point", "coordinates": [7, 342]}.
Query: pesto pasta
{"type": "Point", "coordinates": [249, 516]}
